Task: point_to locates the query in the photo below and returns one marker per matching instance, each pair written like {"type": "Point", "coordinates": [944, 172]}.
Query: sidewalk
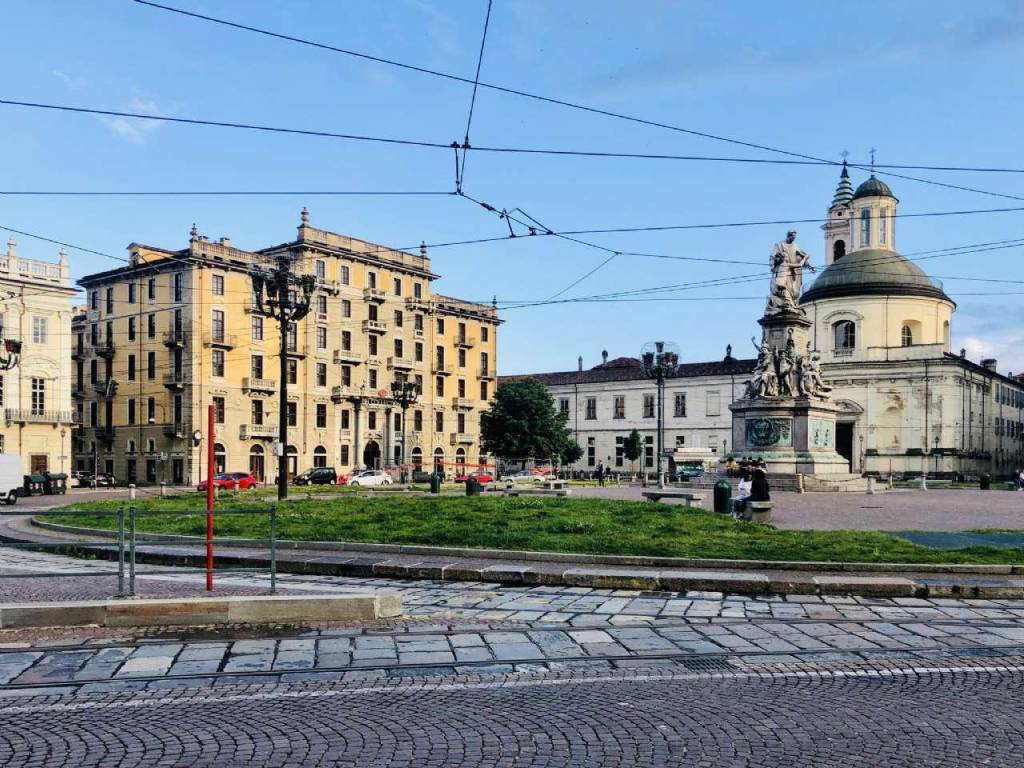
{"type": "Point", "coordinates": [563, 569]}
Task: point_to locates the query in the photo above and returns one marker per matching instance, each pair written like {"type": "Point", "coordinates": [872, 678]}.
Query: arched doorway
{"type": "Point", "coordinates": [838, 250]}
{"type": "Point", "coordinates": [371, 455]}
{"type": "Point", "coordinates": [292, 456]}
{"type": "Point", "coordinates": [257, 466]}
{"type": "Point", "coordinates": [220, 459]}
{"type": "Point", "coordinates": [417, 459]}
{"type": "Point", "coordinates": [460, 461]}
{"type": "Point", "coordinates": [319, 456]}
{"type": "Point", "coordinates": [439, 460]}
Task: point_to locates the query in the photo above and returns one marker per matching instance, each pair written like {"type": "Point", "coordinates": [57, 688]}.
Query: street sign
{"type": "Point", "coordinates": [277, 448]}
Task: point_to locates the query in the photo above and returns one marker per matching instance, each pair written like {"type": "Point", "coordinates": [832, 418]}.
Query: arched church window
{"type": "Point", "coordinates": [845, 334]}
{"type": "Point", "coordinates": [865, 228]}
{"type": "Point", "coordinates": [838, 250]}
{"type": "Point", "coordinates": [883, 219]}
{"type": "Point", "coordinates": [907, 336]}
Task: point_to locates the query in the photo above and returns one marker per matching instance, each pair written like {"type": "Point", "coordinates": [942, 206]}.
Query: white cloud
{"type": "Point", "coordinates": [135, 130]}
{"type": "Point", "coordinates": [1007, 348]}
{"type": "Point", "coordinates": [72, 82]}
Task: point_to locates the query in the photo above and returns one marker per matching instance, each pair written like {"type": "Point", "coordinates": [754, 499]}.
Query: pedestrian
{"type": "Point", "coordinates": [600, 474]}
{"type": "Point", "coordinates": [759, 490]}
{"type": "Point", "coordinates": [1020, 480]}
{"type": "Point", "coordinates": [742, 495]}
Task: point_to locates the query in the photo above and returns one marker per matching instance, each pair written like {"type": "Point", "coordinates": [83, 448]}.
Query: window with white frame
{"type": "Point", "coordinates": [38, 396]}
{"type": "Point", "coordinates": [680, 404]}
{"type": "Point", "coordinates": [865, 228]}
{"type": "Point", "coordinates": [714, 403]}
{"type": "Point", "coordinates": [39, 330]}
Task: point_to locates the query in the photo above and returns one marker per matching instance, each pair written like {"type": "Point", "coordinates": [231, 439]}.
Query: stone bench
{"type": "Point", "coordinates": [757, 511]}
{"type": "Point", "coordinates": [537, 491]}
{"type": "Point", "coordinates": [554, 485]}
{"type": "Point", "coordinates": [692, 499]}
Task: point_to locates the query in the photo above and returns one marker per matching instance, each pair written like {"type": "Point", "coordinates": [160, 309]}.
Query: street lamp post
{"type": "Point", "coordinates": [936, 454]}
{"type": "Point", "coordinates": [659, 361]}
{"type": "Point", "coordinates": [404, 392]}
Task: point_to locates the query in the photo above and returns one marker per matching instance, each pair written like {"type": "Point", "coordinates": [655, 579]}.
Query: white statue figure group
{"type": "Point", "coordinates": [784, 373]}
{"type": "Point", "coordinates": [787, 263]}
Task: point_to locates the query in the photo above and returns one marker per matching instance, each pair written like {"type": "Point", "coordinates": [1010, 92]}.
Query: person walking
{"type": "Point", "coordinates": [600, 474]}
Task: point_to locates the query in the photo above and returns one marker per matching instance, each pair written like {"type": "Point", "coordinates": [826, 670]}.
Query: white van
{"type": "Point", "coordinates": [11, 478]}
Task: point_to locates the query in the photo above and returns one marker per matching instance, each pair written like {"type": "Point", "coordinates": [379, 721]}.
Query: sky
{"type": "Point", "coordinates": [928, 83]}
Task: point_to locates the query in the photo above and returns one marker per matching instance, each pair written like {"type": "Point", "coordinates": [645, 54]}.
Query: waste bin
{"type": "Point", "coordinates": [985, 481]}
{"type": "Point", "coordinates": [723, 497]}
{"type": "Point", "coordinates": [435, 482]}
{"type": "Point", "coordinates": [55, 483]}
{"type": "Point", "coordinates": [472, 486]}
{"type": "Point", "coordinates": [35, 485]}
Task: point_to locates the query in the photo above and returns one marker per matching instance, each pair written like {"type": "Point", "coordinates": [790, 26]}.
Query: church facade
{"type": "Point", "coordinates": [906, 403]}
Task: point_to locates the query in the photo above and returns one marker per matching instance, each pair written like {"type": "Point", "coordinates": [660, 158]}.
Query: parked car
{"type": "Point", "coordinates": [103, 480]}
{"type": "Point", "coordinates": [481, 477]}
{"type": "Point", "coordinates": [370, 477]}
{"type": "Point", "coordinates": [228, 481]}
{"type": "Point", "coordinates": [244, 480]}
{"type": "Point", "coordinates": [317, 476]}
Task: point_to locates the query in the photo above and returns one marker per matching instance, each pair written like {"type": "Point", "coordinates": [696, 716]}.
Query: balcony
{"type": "Point", "coordinates": [347, 357]}
{"type": "Point", "coordinates": [440, 369]}
{"type": "Point", "coordinates": [417, 302]}
{"type": "Point", "coordinates": [466, 342]}
{"type": "Point", "coordinates": [463, 438]}
{"type": "Point", "coordinates": [462, 402]}
{"type": "Point", "coordinates": [373, 294]}
{"type": "Point", "coordinates": [331, 287]}
{"type": "Point", "coordinates": [175, 380]}
{"type": "Point", "coordinates": [253, 384]}
{"type": "Point", "coordinates": [78, 390]}
{"type": "Point", "coordinates": [79, 353]}
{"type": "Point", "coordinates": [18, 416]}
{"type": "Point", "coordinates": [176, 429]}
{"type": "Point", "coordinates": [175, 338]}
{"type": "Point", "coordinates": [220, 340]}
{"type": "Point", "coordinates": [400, 364]}
{"type": "Point", "coordinates": [105, 349]}
{"type": "Point", "coordinates": [104, 433]}
{"type": "Point", "coordinates": [340, 393]}
{"type": "Point", "coordinates": [375, 326]}
{"type": "Point", "coordinates": [488, 374]}
{"type": "Point", "coordinates": [106, 387]}
{"type": "Point", "coordinates": [257, 432]}
{"type": "Point", "coordinates": [374, 435]}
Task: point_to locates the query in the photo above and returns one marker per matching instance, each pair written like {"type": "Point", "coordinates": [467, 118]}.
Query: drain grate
{"type": "Point", "coordinates": [707, 665]}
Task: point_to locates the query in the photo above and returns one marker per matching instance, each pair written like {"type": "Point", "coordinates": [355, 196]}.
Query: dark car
{"type": "Point", "coordinates": [318, 476]}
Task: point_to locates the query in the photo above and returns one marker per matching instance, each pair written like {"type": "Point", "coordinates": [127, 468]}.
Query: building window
{"type": "Point", "coordinates": [483, 391]}
{"type": "Point", "coordinates": [838, 250]}
{"type": "Point", "coordinates": [344, 275]}
{"type": "Point", "coordinates": [38, 396]}
{"type": "Point", "coordinates": [179, 286]}
{"type": "Point", "coordinates": [293, 371]}
{"type": "Point", "coordinates": [418, 351]}
{"type": "Point", "coordinates": [321, 269]}
{"type": "Point", "coordinates": [256, 366]}
{"type": "Point", "coordinates": [845, 334]}
{"type": "Point", "coordinates": [151, 289]}
{"type": "Point", "coordinates": [256, 412]}
{"type": "Point", "coordinates": [293, 414]}
{"type": "Point", "coordinates": [257, 328]}
{"type": "Point", "coordinates": [714, 403]}
{"type": "Point", "coordinates": [321, 374]}
{"type": "Point", "coordinates": [417, 421]}
{"type": "Point", "coordinates": [591, 412]}
{"type": "Point", "coordinates": [619, 407]}
{"type": "Point", "coordinates": [865, 228]}
{"type": "Point", "coordinates": [110, 300]}
{"type": "Point", "coordinates": [131, 293]}
{"type": "Point", "coordinates": [321, 337]}
{"type": "Point", "coordinates": [563, 406]}
{"type": "Point", "coordinates": [417, 290]}
{"type": "Point", "coordinates": [591, 452]}
{"type": "Point", "coordinates": [346, 308]}
{"type": "Point", "coordinates": [396, 284]}
{"type": "Point", "coordinates": [346, 341]}
{"type": "Point", "coordinates": [371, 346]}
{"type": "Point", "coordinates": [399, 318]}
{"type": "Point", "coordinates": [649, 451]}
{"type": "Point", "coordinates": [648, 406]}
{"type": "Point", "coordinates": [319, 457]}
{"type": "Point", "coordinates": [372, 378]}
{"type": "Point", "coordinates": [39, 330]}
{"type": "Point", "coordinates": [439, 422]}
{"type": "Point", "coordinates": [217, 325]}
{"type": "Point", "coordinates": [906, 336]}
{"type": "Point", "coordinates": [882, 220]}
{"type": "Point", "coordinates": [292, 337]}
{"type": "Point", "coordinates": [371, 279]}
{"type": "Point", "coordinates": [371, 420]}
{"type": "Point", "coordinates": [321, 417]}
{"type": "Point", "coordinates": [417, 322]}
{"type": "Point", "coordinates": [131, 367]}
{"type": "Point", "coordinates": [217, 363]}
{"type": "Point", "coordinates": [150, 326]}
{"type": "Point", "coordinates": [131, 329]}
{"type": "Point", "coordinates": [151, 412]}
{"type": "Point", "coordinates": [680, 405]}
{"type": "Point", "coordinates": [462, 358]}
{"type": "Point", "coordinates": [346, 376]}
{"type": "Point", "coordinates": [439, 386]}
{"type": "Point", "coordinates": [218, 410]}
{"type": "Point", "coordinates": [94, 300]}
{"type": "Point", "coordinates": [218, 285]}
{"type": "Point", "coordinates": [440, 326]}
{"type": "Point", "coordinates": [131, 410]}
{"type": "Point", "coordinates": [150, 365]}
{"type": "Point", "coordinates": [485, 333]}
{"type": "Point", "coordinates": [346, 419]}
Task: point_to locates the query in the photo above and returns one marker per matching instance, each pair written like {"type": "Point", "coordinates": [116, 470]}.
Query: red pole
{"type": "Point", "coordinates": [209, 500]}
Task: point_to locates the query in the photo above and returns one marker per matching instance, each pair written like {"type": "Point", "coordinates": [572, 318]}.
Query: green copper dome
{"type": "Point", "coordinates": [873, 188]}
{"type": "Point", "coordinates": [872, 271]}
{"type": "Point", "coordinates": [844, 190]}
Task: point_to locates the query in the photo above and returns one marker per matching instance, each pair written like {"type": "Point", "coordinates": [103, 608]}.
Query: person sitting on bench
{"type": "Point", "coordinates": [742, 495]}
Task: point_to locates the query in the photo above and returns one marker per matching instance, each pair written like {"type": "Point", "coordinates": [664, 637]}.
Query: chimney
{"type": "Point", "coordinates": [989, 364]}
{"type": "Point", "coordinates": [226, 242]}
{"type": "Point", "coordinates": [12, 246]}
{"type": "Point", "coordinates": [963, 352]}
{"type": "Point", "coordinates": [579, 363]}
{"type": "Point", "coordinates": [604, 357]}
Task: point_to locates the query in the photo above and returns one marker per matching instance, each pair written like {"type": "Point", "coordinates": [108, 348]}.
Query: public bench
{"type": "Point", "coordinates": [757, 511]}
{"type": "Point", "coordinates": [692, 499]}
{"type": "Point", "coordinates": [537, 491]}
{"type": "Point", "coordinates": [554, 485]}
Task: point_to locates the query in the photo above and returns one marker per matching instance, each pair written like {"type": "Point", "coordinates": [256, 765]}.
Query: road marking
{"type": "Point", "coordinates": [421, 688]}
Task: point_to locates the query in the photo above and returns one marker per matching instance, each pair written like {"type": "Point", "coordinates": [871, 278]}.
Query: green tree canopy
{"type": "Point", "coordinates": [632, 446]}
{"type": "Point", "coordinates": [522, 423]}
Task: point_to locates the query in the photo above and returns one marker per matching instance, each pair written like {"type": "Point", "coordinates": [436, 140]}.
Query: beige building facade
{"type": "Point", "coordinates": [178, 331]}
{"type": "Point", "coordinates": [35, 392]}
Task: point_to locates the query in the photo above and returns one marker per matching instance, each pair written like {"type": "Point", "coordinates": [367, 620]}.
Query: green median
{"type": "Point", "coordinates": [599, 526]}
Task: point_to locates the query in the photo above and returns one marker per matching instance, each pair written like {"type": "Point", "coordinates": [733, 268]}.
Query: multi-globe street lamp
{"type": "Point", "coordinates": [659, 360]}
{"type": "Point", "coordinates": [404, 392]}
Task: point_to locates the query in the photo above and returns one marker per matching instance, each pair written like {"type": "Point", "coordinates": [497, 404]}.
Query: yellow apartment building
{"type": "Point", "coordinates": [35, 394]}
{"type": "Point", "coordinates": [177, 331]}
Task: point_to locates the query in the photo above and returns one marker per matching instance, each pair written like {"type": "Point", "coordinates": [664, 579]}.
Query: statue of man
{"type": "Point", "coordinates": [788, 263]}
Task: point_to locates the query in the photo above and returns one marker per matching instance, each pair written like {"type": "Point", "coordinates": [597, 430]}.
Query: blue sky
{"type": "Point", "coordinates": [923, 82]}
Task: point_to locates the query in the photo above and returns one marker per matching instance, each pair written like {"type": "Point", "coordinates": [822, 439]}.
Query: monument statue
{"type": "Point", "coordinates": [765, 382]}
{"type": "Point", "coordinates": [787, 263]}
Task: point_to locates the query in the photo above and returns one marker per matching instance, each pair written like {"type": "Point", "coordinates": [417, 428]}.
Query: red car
{"type": "Point", "coordinates": [229, 481]}
{"type": "Point", "coordinates": [481, 477]}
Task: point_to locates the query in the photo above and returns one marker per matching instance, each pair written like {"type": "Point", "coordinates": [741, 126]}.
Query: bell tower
{"type": "Point", "coordinates": [838, 233]}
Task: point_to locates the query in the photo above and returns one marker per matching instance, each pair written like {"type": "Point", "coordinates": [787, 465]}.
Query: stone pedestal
{"type": "Point", "coordinates": [776, 328]}
{"type": "Point", "coordinates": [793, 435]}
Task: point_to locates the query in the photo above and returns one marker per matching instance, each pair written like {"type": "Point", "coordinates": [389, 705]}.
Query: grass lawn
{"type": "Point", "coordinates": [602, 526]}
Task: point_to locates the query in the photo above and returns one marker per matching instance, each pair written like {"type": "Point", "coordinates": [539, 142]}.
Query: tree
{"type": "Point", "coordinates": [571, 453]}
{"type": "Point", "coordinates": [522, 423]}
{"type": "Point", "coordinates": [632, 448]}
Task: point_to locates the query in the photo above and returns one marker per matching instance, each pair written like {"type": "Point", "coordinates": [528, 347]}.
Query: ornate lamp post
{"type": "Point", "coordinates": [404, 392]}
{"type": "Point", "coordinates": [659, 361]}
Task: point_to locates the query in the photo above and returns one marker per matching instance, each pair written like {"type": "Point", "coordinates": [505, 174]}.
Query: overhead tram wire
{"type": "Point", "coordinates": [222, 193]}
{"type": "Point", "coordinates": [472, 103]}
{"type": "Point", "coordinates": [596, 110]}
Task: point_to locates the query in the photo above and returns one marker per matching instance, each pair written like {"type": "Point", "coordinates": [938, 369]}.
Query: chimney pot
{"type": "Point", "coordinates": [604, 356]}
{"type": "Point", "coordinates": [226, 241]}
{"type": "Point", "coordinates": [579, 363]}
{"type": "Point", "coordinates": [989, 363]}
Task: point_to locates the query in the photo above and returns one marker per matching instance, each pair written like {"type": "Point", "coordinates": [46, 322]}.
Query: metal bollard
{"type": "Point", "coordinates": [131, 551]}
{"type": "Point", "coordinates": [131, 492]}
{"type": "Point", "coordinates": [273, 550]}
{"type": "Point", "coordinates": [120, 551]}
{"type": "Point", "coordinates": [870, 490]}
{"type": "Point", "coordinates": [163, 489]}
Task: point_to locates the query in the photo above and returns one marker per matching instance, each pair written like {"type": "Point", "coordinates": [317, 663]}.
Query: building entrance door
{"type": "Point", "coordinates": [371, 455]}
{"type": "Point", "coordinates": [40, 463]}
{"type": "Point", "coordinates": [844, 441]}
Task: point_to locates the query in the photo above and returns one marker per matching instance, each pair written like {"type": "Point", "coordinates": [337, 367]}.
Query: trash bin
{"type": "Point", "coordinates": [985, 481]}
{"type": "Point", "coordinates": [55, 483]}
{"type": "Point", "coordinates": [35, 485]}
{"type": "Point", "coordinates": [723, 497]}
{"type": "Point", "coordinates": [435, 482]}
{"type": "Point", "coordinates": [472, 486]}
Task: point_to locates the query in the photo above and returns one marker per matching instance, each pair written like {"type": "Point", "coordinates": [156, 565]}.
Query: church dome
{"type": "Point", "coordinates": [872, 272]}
{"type": "Point", "coordinates": [873, 188]}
